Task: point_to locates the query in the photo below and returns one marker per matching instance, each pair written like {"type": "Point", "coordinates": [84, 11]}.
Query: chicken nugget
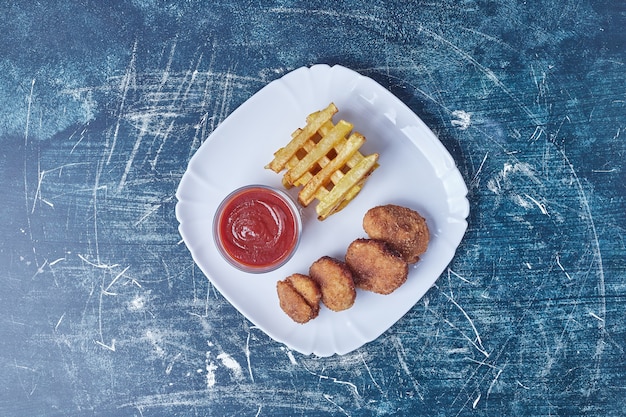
{"type": "Point", "coordinates": [405, 230]}
{"type": "Point", "coordinates": [307, 288]}
{"type": "Point", "coordinates": [376, 266]}
{"type": "Point", "coordinates": [335, 281]}
{"type": "Point", "coordinates": [299, 297]}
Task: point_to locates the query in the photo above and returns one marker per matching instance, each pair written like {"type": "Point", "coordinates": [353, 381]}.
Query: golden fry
{"type": "Point", "coordinates": [307, 194]}
{"type": "Point", "coordinates": [328, 142]}
{"type": "Point", "coordinates": [315, 121]}
{"type": "Point", "coordinates": [334, 198]}
{"type": "Point", "coordinates": [324, 159]}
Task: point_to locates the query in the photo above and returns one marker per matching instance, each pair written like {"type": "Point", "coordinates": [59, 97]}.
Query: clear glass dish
{"type": "Point", "coordinates": [257, 228]}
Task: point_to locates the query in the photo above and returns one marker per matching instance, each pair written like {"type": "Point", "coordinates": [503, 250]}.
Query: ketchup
{"type": "Point", "coordinates": [257, 228]}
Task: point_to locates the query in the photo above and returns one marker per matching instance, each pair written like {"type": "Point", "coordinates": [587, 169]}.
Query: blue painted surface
{"type": "Point", "coordinates": [102, 311]}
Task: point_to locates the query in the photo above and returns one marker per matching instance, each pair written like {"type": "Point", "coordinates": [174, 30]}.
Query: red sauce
{"type": "Point", "coordinates": [257, 228]}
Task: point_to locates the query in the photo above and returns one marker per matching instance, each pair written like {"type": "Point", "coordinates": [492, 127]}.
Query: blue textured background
{"type": "Point", "coordinates": [102, 311]}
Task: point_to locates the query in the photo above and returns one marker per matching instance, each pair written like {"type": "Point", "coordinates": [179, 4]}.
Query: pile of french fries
{"type": "Point", "coordinates": [324, 159]}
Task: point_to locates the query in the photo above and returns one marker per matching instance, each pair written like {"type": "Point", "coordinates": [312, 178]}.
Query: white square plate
{"type": "Point", "coordinates": [415, 171]}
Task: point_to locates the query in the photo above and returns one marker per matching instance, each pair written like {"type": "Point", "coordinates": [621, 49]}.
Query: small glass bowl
{"type": "Point", "coordinates": [241, 219]}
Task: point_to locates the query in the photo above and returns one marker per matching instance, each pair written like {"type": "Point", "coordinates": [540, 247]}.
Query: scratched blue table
{"type": "Point", "coordinates": [103, 312]}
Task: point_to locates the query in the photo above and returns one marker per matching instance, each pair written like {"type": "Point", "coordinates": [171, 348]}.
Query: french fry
{"type": "Point", "coordinates": [307, 194]}
{"type": "Point", "coordinates": [328, 142]}
{"type": "Point", "coordinates": [324, 159]}
{"type": "Point", "coordinates": [315, 121]}
{"type": "Point", "coordinates": [333, 200]}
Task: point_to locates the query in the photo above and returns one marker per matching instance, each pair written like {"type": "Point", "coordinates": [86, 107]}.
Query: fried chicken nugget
{"type": "Point", "coordinates": [335, 281]}
{"type": "Point", "coordinates": [376, 266]}
{"type": "Point", "coordinates": [307, 288]}
{"type": "Point", "coordinates": [405, 230]}
{"type": "Point", "coordinates": [299, 297]}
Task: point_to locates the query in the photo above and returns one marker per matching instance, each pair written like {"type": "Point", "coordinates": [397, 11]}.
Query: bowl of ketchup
{"type": "Point", "coordinates": [257, 228]}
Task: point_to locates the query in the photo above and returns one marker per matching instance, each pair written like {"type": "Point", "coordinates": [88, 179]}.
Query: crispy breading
{"type": "Point", "coordinates": [335, 281]}
{"type": "Point", "coordinates": [376, 266]}
{"type": "Point", "coordinates": [405, 230]}
{"type": "Point", "coordinates": [299, 297]}
{"type": "Point", "coordinates": [307, 288]}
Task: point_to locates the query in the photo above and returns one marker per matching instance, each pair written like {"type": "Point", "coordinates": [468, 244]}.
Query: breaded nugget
{"type": "Point", "coordinates": [376, 266]}
{"type": "Point", "coordinates": [307, 288]}
{"type": "Point", "coordinates": [405, 230]}
{"type": "Point", "coordinates": [335, 281]}
{"type": "Point", "coordinates": [299, 297]}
